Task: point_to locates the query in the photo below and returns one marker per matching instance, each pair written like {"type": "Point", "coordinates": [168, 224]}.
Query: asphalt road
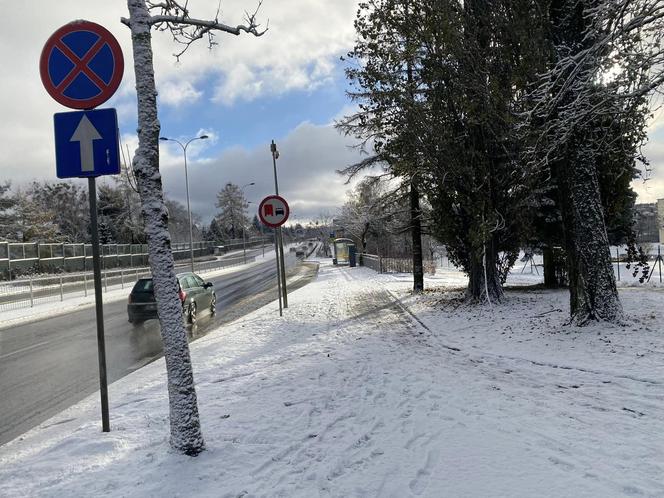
{"type": "Point", "coordinates": [49, 365]}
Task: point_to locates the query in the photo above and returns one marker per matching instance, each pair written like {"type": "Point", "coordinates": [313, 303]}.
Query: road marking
{"type": "Point", "coordinates": [24, 349]}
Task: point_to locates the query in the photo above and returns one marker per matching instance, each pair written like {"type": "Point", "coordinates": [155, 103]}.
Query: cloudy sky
{"type": "Point", "coordinates": [287, 85]}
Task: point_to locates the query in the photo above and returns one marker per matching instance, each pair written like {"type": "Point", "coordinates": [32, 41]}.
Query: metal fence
{"type": "Point", "coordinates": [19, 259]}
{"type": "Point", "coordinates": [394, 265]}
{"type": "Point", "coordinates": [29, 292]}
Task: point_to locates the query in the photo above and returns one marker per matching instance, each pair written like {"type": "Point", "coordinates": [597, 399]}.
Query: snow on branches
{"type": "Point", "coordinates": [174, 16]}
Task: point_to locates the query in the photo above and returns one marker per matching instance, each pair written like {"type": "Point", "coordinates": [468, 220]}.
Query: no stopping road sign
{"type": "Point", "coordinates": [81, 65]}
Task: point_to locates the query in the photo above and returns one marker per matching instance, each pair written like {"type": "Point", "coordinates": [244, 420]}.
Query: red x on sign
{"type": "Point", "coordinates": [81, 65]}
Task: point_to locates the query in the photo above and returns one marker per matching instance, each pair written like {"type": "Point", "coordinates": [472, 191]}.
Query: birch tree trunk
{"type": "Point", "coordinates": [186, 435]}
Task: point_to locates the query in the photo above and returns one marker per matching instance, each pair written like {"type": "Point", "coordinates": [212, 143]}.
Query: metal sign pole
{"type": "Point", "coordinates": [76, 132]}
{"type": "Point", "coordinates": [273, 211]}
{"type": "Point", "coordinates": [99, 308]}
{"type": "Point", "coordinates": [283, 267]}
{"type": "Point", "coordinates": [276, 255]}
{"type": "Point", "coordinates": [280, 252]}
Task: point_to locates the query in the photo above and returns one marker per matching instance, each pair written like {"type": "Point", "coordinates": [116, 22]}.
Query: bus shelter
{"type": "Point", "coordinates": [344, 252]}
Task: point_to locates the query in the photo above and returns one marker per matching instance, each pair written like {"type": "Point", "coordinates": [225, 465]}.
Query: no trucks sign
{"type": "Point", "coordinates": [273, 211]}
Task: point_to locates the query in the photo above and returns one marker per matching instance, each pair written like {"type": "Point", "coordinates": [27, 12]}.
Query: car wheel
{"type": "Point", "coordinates": [192, 313]}
{"type": "Point", "coordinates": [213, 304]}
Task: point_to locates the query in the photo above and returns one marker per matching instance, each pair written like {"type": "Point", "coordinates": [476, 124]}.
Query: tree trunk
{"type": "Point", "coordinates": [550, 280]}
{"type": "Point", "coordinates": [186, 433]}
{"type": "Point", "coordinates": [483, 275]}
{"type": "Point", "coordinates": [592, 284]}
{"type": "Point", "coordinates": [416, 233]}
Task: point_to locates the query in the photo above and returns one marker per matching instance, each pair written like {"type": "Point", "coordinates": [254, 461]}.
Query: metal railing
{"type": "Point", "coordinates": [394, 265]}
{"type": "Point", "coordinates": [18, 258]}
{"type": "Point", "coordinates": [29, 292]}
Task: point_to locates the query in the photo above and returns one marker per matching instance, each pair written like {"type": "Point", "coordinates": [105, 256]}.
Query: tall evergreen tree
{"type": "Point", "coordinates": [385, 74]}
{"type": "Point", "coordinates": [232, 205]}
{"type": "Point", "coordinates": [589, 120]}
{"type": "Point", "coordinates": [440, 83]}
{"type": "Point", "coordinates": [67, 206]}
{"type": "Point", "coordinates": [7, 216]}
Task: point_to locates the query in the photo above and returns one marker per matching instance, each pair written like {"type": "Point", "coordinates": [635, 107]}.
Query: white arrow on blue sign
{"type": "Point", "coordinates": [86, 143]}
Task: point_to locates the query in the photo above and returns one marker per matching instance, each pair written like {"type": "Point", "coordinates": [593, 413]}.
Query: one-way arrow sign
{"type": "Point", "coordinates": [85, 134]}
{"type": "Point", "coordinates": [86, 143]}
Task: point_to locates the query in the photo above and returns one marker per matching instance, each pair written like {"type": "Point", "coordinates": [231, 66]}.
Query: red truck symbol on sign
{"type": "Point", "coordinates": [269, 210]}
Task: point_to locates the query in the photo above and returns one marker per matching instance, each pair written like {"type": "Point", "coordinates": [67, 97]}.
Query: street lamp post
{"type": "Point", "coordinates": [186, 183]}
{"type": "Point", "coordinates": [260, 227]}
{"type": "Point", "coordinates": [280, 246]}
{"type": "Point", "coordinates": [244, 240]}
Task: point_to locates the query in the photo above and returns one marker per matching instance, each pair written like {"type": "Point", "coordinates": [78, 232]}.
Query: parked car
{"type": "Point", "coordinates": [195, 295]}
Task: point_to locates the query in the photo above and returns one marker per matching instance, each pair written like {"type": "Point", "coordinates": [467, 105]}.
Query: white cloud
{"type": "Point", "coordinates": [297, 52]}
{"type": "Point", "coordinates": [653, 187]}
{"type": "Point", "coordinates": [309, 156]}
{"type": "Point", "coordinates": [176, 93]}
{"type": "Point", "coordinates": [241, 83]}
{"type": "Point", "coordinates": [657, 121]}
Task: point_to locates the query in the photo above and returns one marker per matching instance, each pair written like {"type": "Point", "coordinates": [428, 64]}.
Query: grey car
{"type": "Point", "coordinates": [195, 294]}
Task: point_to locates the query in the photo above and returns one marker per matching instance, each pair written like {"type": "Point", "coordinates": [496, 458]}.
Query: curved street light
{"type": "Point", "coordinates": [244, 242]}
{"type": "Point", "coordinates": [186, 183]}
{"type": "Point", "coordinates": [260, 228]}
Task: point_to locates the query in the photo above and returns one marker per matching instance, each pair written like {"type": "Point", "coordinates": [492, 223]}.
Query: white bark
{"type": "Point", "coordinates": [186, 433]}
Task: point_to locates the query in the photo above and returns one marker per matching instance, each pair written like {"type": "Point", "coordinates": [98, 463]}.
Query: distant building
{"type": "Point", "coordinates": [646, 222]}
{"type": "Point", "coordinates": [660, 219]}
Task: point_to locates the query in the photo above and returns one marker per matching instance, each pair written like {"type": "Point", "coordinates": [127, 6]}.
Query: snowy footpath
{"type": "Point", "coordinates": [363, 390]}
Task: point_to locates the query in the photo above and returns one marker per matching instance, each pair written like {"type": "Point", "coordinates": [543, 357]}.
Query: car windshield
{"type": "Point", "coordinates": [143, 285]}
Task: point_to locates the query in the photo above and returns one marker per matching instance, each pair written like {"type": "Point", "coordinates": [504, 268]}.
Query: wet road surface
{"type": "Point", "coordinates": [49, 365]}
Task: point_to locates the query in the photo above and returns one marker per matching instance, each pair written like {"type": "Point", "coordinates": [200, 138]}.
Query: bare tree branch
{"type": "Point", "coordinates": [185, 30]}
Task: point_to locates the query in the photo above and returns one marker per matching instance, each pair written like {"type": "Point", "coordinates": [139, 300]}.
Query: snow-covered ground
{"type": "Point", "coordinates": [362, 389]}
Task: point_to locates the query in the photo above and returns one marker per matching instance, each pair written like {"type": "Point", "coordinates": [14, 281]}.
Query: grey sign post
{"type": "Point", "coordinates": [273, 212]}
{"type": "Point", "coordinates": [86, 141]}
{"type": "Point", "coordinates": [278, 235]}
{"type": "Point", "coordinates": [99, 306]}
{"type": "Point", "coordinates": [87, 146]}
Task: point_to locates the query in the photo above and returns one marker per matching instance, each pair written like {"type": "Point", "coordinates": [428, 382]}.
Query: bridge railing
{"type": "Point", "coordinates": [18, 259]}
{"type": "Point", "coordinates": [29, 292]}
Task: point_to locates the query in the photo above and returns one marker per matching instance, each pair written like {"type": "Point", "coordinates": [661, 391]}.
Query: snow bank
{"type": "Point", "coordinates": [362, 389]}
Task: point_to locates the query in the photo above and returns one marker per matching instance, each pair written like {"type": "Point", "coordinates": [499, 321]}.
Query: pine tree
{"type": "Point", "coordinates": [440, 84]}
{"type": "Point", "coordinates": [7, 217]}
{"type": "Point", "coordinates": [589, 120]}
{"type": "Point", "coordinates": [232, 218]}
{"type": "Point", "coordinates": [67, 207]}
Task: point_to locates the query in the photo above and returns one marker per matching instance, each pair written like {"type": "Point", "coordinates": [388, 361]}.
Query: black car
{"type": "Point", "coordinates": [195, 295]}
